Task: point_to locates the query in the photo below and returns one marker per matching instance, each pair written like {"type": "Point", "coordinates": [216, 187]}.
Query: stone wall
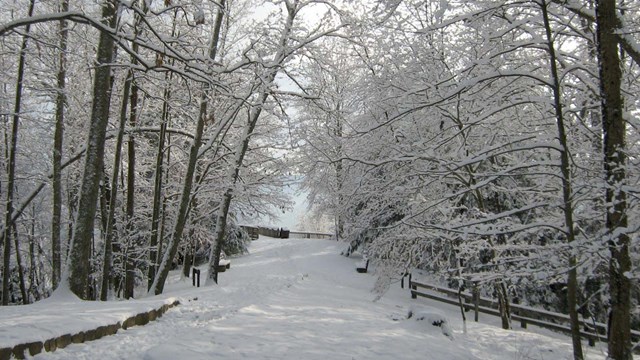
{"type": "Point", "coordinates": [33, 348]}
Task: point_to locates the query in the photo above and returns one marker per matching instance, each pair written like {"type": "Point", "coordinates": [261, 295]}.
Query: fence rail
{"type": "Point", "coordinates": [310, 235]}
{"type": "Point", "coordinates": [592, 331]}
{"type": "Point", "coordinates": [255, 231]}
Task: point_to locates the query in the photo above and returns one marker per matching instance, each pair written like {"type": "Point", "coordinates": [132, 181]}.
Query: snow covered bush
{"type": "Point", "coordinates": [432, 318]}
{"type": "Point", "coordinates": [237, 240]}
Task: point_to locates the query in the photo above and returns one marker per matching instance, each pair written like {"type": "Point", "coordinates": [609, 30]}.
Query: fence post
{"type": "Point", "coordinates": [195, 273]}
{"type": "Point", "coordinates": [476, 300]}
{"type": "Point", "coordinates": [413, 287]}
{"type": "Point", "coordinates": [406, 274]}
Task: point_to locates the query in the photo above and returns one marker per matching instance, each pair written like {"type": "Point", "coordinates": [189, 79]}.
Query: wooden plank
{"type": "Point", "coordinates": [455, 302]}
{"type": "Point", "coordinates": [434, 297]}
{"type": "Point", "coordinates": [454, 293]}
{"type": "Point", "coordinates": [591, 336]}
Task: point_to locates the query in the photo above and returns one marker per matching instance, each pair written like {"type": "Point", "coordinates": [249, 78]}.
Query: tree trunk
{"type": "Point", "coordinates": [155, 241]}
{"type": "Point", "coordinates": [613, 126]}
{"type": "Point", "coordinates": [108, 243]}
{"type": "Point", "coordinates": [79, 264]}
{"type": "Point", "coordinates": [170, 253]}
{"type": "Point", "coordinates": [33, 264]}
{"type": "Point", "coordinates": [23, 288]}
{"type": "Point", "coordinates": [503, 304]}
{"type": "Point", "coordinates": [157, 190]}
{"type": "Point", "coordinates": [339, 179]}
{"type": "Point", "coordinates": [133, 241]}
{"type": "Point", "coordinates": [572, 281]}
{"type": "Point", "coordinates": [58, 137]}
{"type": "Point", "coordinates": [131, 184]}
{"type": "Point", "coordinates": [105, 195]}
{"type": "Point", "coordinates": [223, 212]}
{"type": "Point", "coordinates": [189, 256]}
{"type": "Point", "coordinates": [163, 271]}
{"type": "Point", "coordinates": [12, 165]}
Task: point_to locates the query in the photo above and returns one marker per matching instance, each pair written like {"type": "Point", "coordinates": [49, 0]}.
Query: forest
{"type": "Point", "coordinates": [492, 144]}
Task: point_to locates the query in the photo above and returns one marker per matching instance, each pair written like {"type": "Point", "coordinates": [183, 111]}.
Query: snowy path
{"type": "Point", "coordinates": [298, 299]}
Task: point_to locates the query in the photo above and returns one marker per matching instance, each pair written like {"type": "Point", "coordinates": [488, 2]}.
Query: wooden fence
{"type": "Point", "coordinates": [255, 231]}
{"type": "Point", "coordinates": [310, 235]}
{"type": "Point", "coordinates": [592, 331]}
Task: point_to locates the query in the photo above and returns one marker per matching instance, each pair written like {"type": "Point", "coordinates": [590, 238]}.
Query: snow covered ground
{"type": "Point", "coordinates": [288, 299]}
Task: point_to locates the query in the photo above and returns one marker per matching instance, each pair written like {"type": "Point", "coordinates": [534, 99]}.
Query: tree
{"type": "Point", "coordinates": [567, 193]}
{"type": "Point", "coordinates": [265, 78]}
{"type": "Point", "coordinates": [79, 265]}
{"type": "Point", "coordinates": [153, 46]}
{"type": "Point", "coordinates": [170, 253]}
{"type": "Point", "coordinates": [61, 99]}
{"type": "Point", "coordinates": [9, 226]}
{"type": "Point", "coordinates": [614, 129]}
{"type": "Point", "coordinates": [472, 155]}
{"type": "Point", "coordinates": [321, 128]}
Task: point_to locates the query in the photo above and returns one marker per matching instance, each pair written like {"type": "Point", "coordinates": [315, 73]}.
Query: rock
{"type": "Point", "coordinates": [153, 315]}
{"type": "Point", "coordinates": [63, 341]}
{"type": "Point", "coordinates": [113, 329]}
{"type": "Point", "coordinates": [129, 323]}
{"type": "Point", "coordinates": [78, 338]}
{"type": "Point", "coordinates": [50, 345]}
{"type": "Point", "coordinates": [5, 353]}
{"type": "Point", "coordinates": [142, 319]}
{"type": "Point", "coordinates": [90, 335]}
{"type": "Point", "coordinates": [18, 351]}
{"type": "Point", "coordinates": [35, 347]}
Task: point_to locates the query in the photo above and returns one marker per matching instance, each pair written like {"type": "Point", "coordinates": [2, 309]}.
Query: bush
{"type": "Point", "coordinates": [237, 241]}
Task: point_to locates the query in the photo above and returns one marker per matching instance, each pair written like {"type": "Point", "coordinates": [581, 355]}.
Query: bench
{"type": "Point", "coordinates": [362, 266]}
{"type": "Point", "coordinates": [223, 265]}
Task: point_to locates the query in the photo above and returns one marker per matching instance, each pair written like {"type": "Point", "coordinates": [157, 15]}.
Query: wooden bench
{"type": "Point", "coordinates": [362, 266]}
{"type": "Point", "coordinates": [223, 265]}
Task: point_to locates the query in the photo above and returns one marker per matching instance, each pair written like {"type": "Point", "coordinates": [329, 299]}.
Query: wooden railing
{"type": "Point", "coordinates": [310, 235]}
{"type": "Point", "coordinates": [255, 231]}
{"type": "Point", "coordinates": [592, 331]}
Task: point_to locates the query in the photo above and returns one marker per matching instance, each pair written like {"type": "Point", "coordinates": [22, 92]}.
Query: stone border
{"type": "Point", "coordinates": [33, 348]}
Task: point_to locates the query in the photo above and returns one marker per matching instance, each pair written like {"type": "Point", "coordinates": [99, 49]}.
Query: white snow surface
{"type": "Point", "coordinates": [288, 299]}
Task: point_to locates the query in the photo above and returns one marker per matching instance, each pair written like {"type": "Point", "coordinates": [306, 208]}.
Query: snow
{"type": "Point", "coordinates": [288, 299]}
{"type": "Point", "coordinates": [431, 318]}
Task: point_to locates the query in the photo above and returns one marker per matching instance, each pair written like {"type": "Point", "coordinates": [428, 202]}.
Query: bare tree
{"type": "Point", "coordinates": [79, 265]}
{"type": "Point", "coordinates": [282, 52]}
{"type": "Point", "coordinates": [58, 137]}
{"type": "Point", "coordinates": [614, 129]}
{"type": "Point", "coordinates": [223, 212]}
{"type": "Point", "coordinates": [567, 192]}
{"type": "Point", "coordinates": [155, 238]}
{"type": "Point", "coordinates": [11, 166]}
{"type": "Point", "coordinates": [183, 210]}
{"type": "Point", "coordinates": [109, 228]}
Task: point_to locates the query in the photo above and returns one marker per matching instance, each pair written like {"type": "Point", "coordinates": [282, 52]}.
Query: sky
{"type": "Point", "coordinates": [289, 219]}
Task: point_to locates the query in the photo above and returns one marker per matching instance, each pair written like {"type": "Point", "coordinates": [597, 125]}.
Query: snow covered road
{"type": "Point", "coordinates": [298, 299]}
